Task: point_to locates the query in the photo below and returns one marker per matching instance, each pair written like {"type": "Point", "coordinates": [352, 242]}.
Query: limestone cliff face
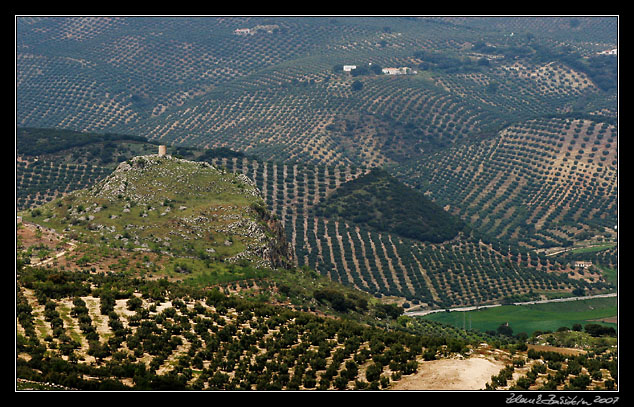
{"type": "Point", "coordinates": [279, 251]}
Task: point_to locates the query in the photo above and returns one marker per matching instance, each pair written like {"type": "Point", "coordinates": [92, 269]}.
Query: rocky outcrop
{"type": "Point", "coordinates": [148, 182]}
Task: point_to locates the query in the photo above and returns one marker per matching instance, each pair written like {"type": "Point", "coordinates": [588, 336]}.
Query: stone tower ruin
{"type": "Point", "coordinates": [161, 150]}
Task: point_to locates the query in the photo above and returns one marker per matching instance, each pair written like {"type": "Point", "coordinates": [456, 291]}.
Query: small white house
{"type": "Point", "coordinates": [608, 52]}
{"type": "Point", "coordinates": [397, 71]}
{"type": "Point", "coordinates": [391, 71]}
{"type": "Point", "coordinates": [242, 31]}
{"type": "Point", "coordinates": [583, 264]}
{"type": "Point", "coordinates": [348, 68]}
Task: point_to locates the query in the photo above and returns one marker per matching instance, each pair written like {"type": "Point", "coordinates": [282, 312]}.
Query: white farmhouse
{"type": "Point", "coordinates": [397, 71]}
{"type": "Point", "coordinates": [348, 68]}
{"type": "Point", "coordinates": [583, 264]}
{"type": "Point", "coordinates": [608, 52]}
{"type": "Point", "coordinates": [391, 71]}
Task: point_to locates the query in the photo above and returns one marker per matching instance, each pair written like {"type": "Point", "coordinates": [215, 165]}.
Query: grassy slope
{"type": "Point", "coordinates": [164, 206]}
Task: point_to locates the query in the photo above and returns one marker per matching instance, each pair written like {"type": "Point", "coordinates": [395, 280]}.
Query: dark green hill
{"type": "Point", "coordinates": [380, 201]}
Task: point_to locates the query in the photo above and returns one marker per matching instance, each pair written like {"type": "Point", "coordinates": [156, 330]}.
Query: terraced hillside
{"type": "Point", "coordinates": [470, 269]}
{"type": "Point", "coordinates": [98, 333]}
{"type": "Point", "coordinates": [323, 175]}
{"type": "Point", "coordinates": [279, 91]}
{"type": "Point", "coordinates": [133, 284]}
{"type": "Point", "coordinates": [542, 182]}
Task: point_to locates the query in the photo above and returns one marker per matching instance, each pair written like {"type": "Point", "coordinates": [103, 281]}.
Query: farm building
{"type": "Point", "coordinates": [608, 52]}
{"type": "Point", "coordinates": [583, 264]}
{"type": "Point", "coordinates": [270, 28]}
{"type": "Point", "coordinates": [397, 71]}
{"type": "Point", "coordinates": [348, 68]}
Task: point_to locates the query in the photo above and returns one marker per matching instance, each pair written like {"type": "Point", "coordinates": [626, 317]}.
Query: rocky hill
{"type": "Point", "coordinates": [175, 207]}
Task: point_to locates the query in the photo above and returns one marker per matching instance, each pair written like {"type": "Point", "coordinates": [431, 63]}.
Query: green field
{"type": "Point", "coordinates": [592, 249]}
{"type": "Point", "coordinates": [530, 318]}
{"type": "Point", "coordinates": [611, 275]}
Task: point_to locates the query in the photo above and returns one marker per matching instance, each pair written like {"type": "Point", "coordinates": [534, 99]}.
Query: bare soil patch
{"type": "Point", "coordinates": [34, 235]}
{"type": "Point", "coordinates": [452, 374]}
{"type": "Point", "coordinates": [612, 320]}
{"type": "Point", "coordinates": [564, 351]}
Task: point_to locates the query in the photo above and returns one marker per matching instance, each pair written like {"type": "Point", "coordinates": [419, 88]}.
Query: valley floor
{"type": "Point", "coordinates": [475, 308]}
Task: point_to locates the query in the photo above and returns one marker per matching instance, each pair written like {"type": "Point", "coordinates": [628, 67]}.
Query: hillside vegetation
{"type": "Point", "coordinates": [280, 93]}
{"type": "Point", "coordinates": [379, 201]}
{"type": "Point", "coordinates": [135, 283]}
{"type": "Point", "coordinates": [167, 205]}
{"type": "Point", "coordinates": [323, 176]}
{"type": "Point", "coordinates": [93, 332]}
{"type": "Point", "coordinates": [465, 271]}
{"type": "Point", "coordinates": [543, 183]}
